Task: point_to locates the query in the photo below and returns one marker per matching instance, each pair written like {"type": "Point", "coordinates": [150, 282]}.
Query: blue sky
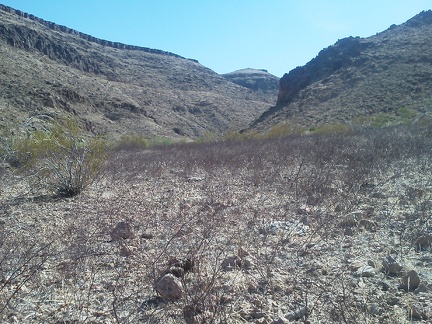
{"type": "Point", "coordinates": [227, 35]}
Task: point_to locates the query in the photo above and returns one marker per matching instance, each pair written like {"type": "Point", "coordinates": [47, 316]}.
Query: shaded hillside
{"type": "Point", "coordinates": [360, 76]}
{"type": "Point", "coordinates": [260, 81]}
{"type": "Point", "coordinates": [115, 88]}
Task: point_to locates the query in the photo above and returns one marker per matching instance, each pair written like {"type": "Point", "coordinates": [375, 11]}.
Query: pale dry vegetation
{"type": "Point", "coordinates": [263, 231]}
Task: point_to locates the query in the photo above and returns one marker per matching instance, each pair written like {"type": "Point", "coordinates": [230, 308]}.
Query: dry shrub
{"type": "Point", "coordinates": [60, 157]}
{"type": "Point", "coordinates": [274, 206]}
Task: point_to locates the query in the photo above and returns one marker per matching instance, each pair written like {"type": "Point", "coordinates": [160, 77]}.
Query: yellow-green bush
{"type": "Point", "coordinates": [240, 136]}
{"type": "Point", "coordinates": [131, 142]}
{"type": "Point", "coordinates": [208, 137]}
{"type": "Point", "coordinates": [279, 130]}
{"type": "Point", "coordinates": [284, 129]}
{"type": "Point", "coordinates": [403, 115]}
{"type": "Point", "coordinates": [160, 141]}
{"type": "Point", "coordinates": [61, 157]}
{"type": "Point", "coordinates": [330, 129]}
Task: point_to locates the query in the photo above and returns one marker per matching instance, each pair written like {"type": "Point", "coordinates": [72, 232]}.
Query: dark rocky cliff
{"type": "Point", "coordinates": [27, 41]}
{"type": "Point", "coordinates": [346, 52]}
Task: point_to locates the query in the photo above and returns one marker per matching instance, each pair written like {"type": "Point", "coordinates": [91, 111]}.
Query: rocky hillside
{"type": "Point", "coordinates": [260, 81]}
{"type": "Point", "coordinates": [114, 88]}
{"type": "Point", "coordinates": [360, 76]}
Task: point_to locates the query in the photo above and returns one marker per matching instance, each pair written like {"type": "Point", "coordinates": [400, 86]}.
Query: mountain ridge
{"type": "Point", "coordinates": [103, 42]}
{"type": "Point", "coordinates": [113, 90]}
{"type": "Point", "coordinates": [359, 76]}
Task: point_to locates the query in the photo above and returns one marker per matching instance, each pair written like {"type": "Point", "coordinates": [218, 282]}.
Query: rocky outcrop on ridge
{"type": "Point", "coordinates": [255, 79]}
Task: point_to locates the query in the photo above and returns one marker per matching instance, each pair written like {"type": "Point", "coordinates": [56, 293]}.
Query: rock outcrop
{"type": "Point", "coordinates": [64, 29]}
{"type": "Point", "coordinates": [259, 81]}
{"type": "Point", "coordinates": [255, 79]}
{"type": "Point", "coordinates": [346, 52]}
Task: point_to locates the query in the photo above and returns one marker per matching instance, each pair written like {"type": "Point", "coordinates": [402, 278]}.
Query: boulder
{"type": "Point", "coordinates": [170, 287]}
{"type": "Point", "coordinates": [410, 281]}
{"type": "Point", "coordinates": [147, 235]}
{"type": "Point", "coordinates": [417, 312]}
{"type": "Point", "coordinates": [390, 265]}
{"type": "Point", "coordinates": [423, 242]}
{"type": "Point", "coordinates": [349, 220]}
{"type": "Point", "coordinates": [355, 265]}
{"type": "Point", "coordinates": [366, 271]}
{"type": "Point", "coordinates": [231, 262]}
{"type": "Point", "coordinates": [421, 289]}
{"type": "Point", "coordinates": [127, 250]}
{"type": "Point", "coordinates": [296, 314]}
{"type": "Point", "coordinates": [369, 224]}
{"type": "Point", "coordinates": [122, 231]}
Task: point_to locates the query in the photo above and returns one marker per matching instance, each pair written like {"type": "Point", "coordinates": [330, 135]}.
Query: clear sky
{"type": "Point", "coordinates": [227, 35]}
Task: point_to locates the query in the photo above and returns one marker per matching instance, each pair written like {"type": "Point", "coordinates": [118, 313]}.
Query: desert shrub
{"type": "Point", "coordinates": [330, 129]}
{"type": "Point", "coordinates": [160, 141]}
{"type": "Point", "coordinates": [131, 142]}
{"type": "Point", "coordinates": [403, 115]}
{"type": "Point", "coordinates": [8, 147]}
{"type": "Point", "coordinates": [279, 130]}
{"type": "Point", "coordinates": [208, 137]}
{"type": "Point", "coordinates": [240, 136]}
{"type": "Point", "coordinates": [60, 157]}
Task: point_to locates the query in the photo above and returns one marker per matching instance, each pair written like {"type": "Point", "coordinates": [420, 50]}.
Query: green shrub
{"type": "Point", "coordinates": [406, 115]}
{"type": "Point", "coordinates": [160, 141]}
{"type": "Point", "coordinates": [403, 115]}
{"type": "Point", "coordinates": [208, 137]}
{"type": "Point", "coordinates": [279, 130]}
{"type": "Point", "coordinates": [131, 142]}
{"type": "Point", "coordinates": [234, 136]}
{"type": "Point", "coordinates": [425, 123]}
{"type": "Point", "coordinates": [330, 129]}
{"type": "Point", "coordinates": [61, 157]}
{"type": "Point", "coordinates": [9, 140]}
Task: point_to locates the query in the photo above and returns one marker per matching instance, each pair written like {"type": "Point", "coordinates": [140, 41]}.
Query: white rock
{"type": "Point", "coordinates": [297, 314]}
{"type": "Point", "coordinates": [366, 271]}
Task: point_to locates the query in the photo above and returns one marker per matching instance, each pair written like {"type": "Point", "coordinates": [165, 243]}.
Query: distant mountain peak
{"type": "Point", "coordinates": [248, 71]}
{"type": "Point", "coordinates": [258, 80]}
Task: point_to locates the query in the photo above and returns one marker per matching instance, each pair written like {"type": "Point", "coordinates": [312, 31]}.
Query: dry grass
{"type": "Point", "coordinates": [297, 214]}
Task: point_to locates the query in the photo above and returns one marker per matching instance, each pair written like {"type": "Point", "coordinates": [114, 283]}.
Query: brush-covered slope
{"type": "Point", "coordinates": [115, 88]}
{"type": "Point", "coordinates": [360, 76]}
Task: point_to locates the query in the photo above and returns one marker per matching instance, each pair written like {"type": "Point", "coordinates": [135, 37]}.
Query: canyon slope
{"type": "Point", "coordinates": [113, 88]}
{"type": "Point", "coordinates": [389, 72]}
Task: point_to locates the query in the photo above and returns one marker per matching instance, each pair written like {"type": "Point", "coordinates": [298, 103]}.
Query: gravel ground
{"type": "Point", "coordinates": [263, 232]}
